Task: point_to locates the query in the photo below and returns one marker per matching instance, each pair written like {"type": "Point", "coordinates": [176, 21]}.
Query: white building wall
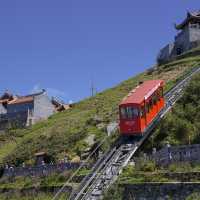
{"type": "Point", "coordinates": [2, 109]}
{"type": "Point", "coordinates": [43, 108]}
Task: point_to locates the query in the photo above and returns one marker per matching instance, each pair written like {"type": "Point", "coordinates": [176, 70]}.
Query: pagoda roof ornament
{"type": "Point", "coordinates": [195, 15]}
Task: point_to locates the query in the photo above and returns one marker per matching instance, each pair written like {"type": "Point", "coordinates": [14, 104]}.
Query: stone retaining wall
{"type": "Point", "coordinates": [183, 153]}
{"type": "Point", "coordinates": [33, 191]}
{"type": "Point", "coordinates": [160, 191]}
{"type": "Point", "coordinates": [40, 170]}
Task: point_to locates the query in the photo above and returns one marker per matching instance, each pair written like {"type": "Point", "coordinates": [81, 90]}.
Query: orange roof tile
{"type": "Point", "coordinates": [4, 100]}
{"type": "Point", "coordinates": [19, 100]}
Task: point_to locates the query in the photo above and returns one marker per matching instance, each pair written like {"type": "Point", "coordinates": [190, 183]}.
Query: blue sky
{"type": "Point", "coordinates": [62, 45]}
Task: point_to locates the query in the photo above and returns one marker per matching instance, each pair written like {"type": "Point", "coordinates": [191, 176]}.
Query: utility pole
{"type": "Point", "coordinates": [93, 89]}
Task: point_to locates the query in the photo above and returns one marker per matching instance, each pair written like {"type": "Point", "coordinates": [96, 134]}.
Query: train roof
{"type": "Point", "coordinates": [142, 91]}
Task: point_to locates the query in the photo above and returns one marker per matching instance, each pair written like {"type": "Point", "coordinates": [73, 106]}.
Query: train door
{"type": "Point", "coordinates": [160, 98]}
{"type": "Point", "coordinates": [151, 108]}
{"type": "Point", "coordinates": [151, 112]}
{"type": "Point", "coordinates": [143, 122]}
{"type": "Point", "coordinates": [147, 112]}
{"type": "Point", "coordinates": [155, 104]}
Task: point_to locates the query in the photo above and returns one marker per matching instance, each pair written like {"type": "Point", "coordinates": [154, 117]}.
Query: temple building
{"type": "Point", "coordinates": [188, 37]}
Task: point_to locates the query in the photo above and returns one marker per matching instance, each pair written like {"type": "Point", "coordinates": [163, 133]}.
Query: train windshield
{"type": "Point", "coordinates": [129, 112]}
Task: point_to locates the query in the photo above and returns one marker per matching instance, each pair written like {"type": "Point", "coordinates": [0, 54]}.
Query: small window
{"type": "Point", "coordinates": [179, 51]}
{"type": "Point", "coordinates": [142, 112]}
{"type": "Point", "coordinates": [147, 108]}
{"type": "Point", "coordinates": [155, 99]}
{"type": "Point", "coordinates": [129, 113]}
{"type": "Point", "coordinates": [132, 112]}
{"type": "Point", "coordinates": [135, 112]}
{"type": "Point", "coordinates": [123, 113]}
{"type": "Point", "coordinates": [194, 26]}
{"type": "Point", "coordinates": [160, 93]}
{"type": "Point", "coordinates": [150, 104]}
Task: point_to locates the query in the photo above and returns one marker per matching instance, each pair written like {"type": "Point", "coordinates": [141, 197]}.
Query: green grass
{"type": "Point", "coordinates": [141, 174]}
{"type": "Point", "coordinates": [15, 187]}
{"type": "Point", "coordinates": [131, 175]}
{"type": "Point", "coordinates": [33, 196]}
{"type": "Point", "coordinates": [65, 133]}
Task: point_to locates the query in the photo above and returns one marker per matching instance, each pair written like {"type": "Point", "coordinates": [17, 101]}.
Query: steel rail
{"type": "Point", "coordinates": [81, 166]}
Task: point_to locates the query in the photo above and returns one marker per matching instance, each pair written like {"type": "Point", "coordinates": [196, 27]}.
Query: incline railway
{"type": "Point", "coordinates": [107, 169]}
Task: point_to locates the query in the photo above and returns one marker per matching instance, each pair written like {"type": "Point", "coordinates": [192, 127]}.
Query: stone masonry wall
{"type": "Point", "coordinates": [184, 153]}
{"type": "Point", "coordinates": [160, 191]}
{"type": "Point", "coordinates": [165, 53]}
{"type": "Point", "coordinates": [182, 40]}
{"type": "Point", "coordinates": [43, 170]}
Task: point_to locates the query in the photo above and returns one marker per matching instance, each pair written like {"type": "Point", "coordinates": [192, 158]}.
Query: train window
{"type": "Point", "coordinates": [142, 112]}
{"type": "Point", "coordinates": [133, 112]}
{"type": "Point", "coordinates": [129, 112]}
{"type": "Point", "coordinates": [150, 104]}
{"type": "Point", "coordinates": [123, 113]}
{"type": "Point", "coordinates": [160, 92]}
{"type": "Point", "coordinates": [147, 108]}
{"type": "Point", "coordinates": [158, 96]}
{"type": "Point", "coordinates": [155, 99]}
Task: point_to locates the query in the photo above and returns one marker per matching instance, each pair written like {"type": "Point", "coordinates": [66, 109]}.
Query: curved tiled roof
{"type": "Point", "coordinates": [25, 99]}
{"type": "Point", "coordinates": [4, 100]}
{"type": "Point", "coordinates": [21, 100]}
{"type": "Point", "coordinates": [190, 16]}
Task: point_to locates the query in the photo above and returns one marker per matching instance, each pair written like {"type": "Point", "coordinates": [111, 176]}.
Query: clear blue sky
{"type": "Point", "coordinates": [63, 44]}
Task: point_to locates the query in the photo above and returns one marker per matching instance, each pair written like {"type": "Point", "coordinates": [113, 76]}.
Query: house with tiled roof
{"type": "Point", "coordinates": [21, 111]}
{"type": "Point", "coordinates": [188, 37]}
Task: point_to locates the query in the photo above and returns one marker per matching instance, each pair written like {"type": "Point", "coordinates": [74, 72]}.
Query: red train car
{"type": "Point", "coordinates": [140, 107]}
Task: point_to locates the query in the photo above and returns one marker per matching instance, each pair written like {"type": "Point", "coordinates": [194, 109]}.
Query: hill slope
{"type": "Point", "coordinates": [180, 126]}
{"type": "Point", "coordinates": [65, 133]}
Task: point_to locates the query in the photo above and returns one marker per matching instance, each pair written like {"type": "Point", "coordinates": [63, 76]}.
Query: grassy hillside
{"type": "Point", "coordinates": [180, 126]}
{"type": "Point", "coordinates": [65, 133]}
{"type": "Point", "coordinates": [31, 196]}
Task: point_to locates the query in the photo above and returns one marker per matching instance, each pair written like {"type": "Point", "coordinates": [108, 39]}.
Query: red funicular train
{"type": "Point", "coordinates": [140, 107]}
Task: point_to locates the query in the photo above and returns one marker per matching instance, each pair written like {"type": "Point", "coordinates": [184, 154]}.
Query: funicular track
{"type": "Point", "coordinates": [107, 169]}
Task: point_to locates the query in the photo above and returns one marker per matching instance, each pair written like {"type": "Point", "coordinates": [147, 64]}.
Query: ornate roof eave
{"type": "Point", "coordinates": [190, 16]}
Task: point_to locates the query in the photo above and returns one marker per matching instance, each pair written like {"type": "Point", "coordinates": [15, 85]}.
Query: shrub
{"type": "Point", "coordinates": [194, 196]}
